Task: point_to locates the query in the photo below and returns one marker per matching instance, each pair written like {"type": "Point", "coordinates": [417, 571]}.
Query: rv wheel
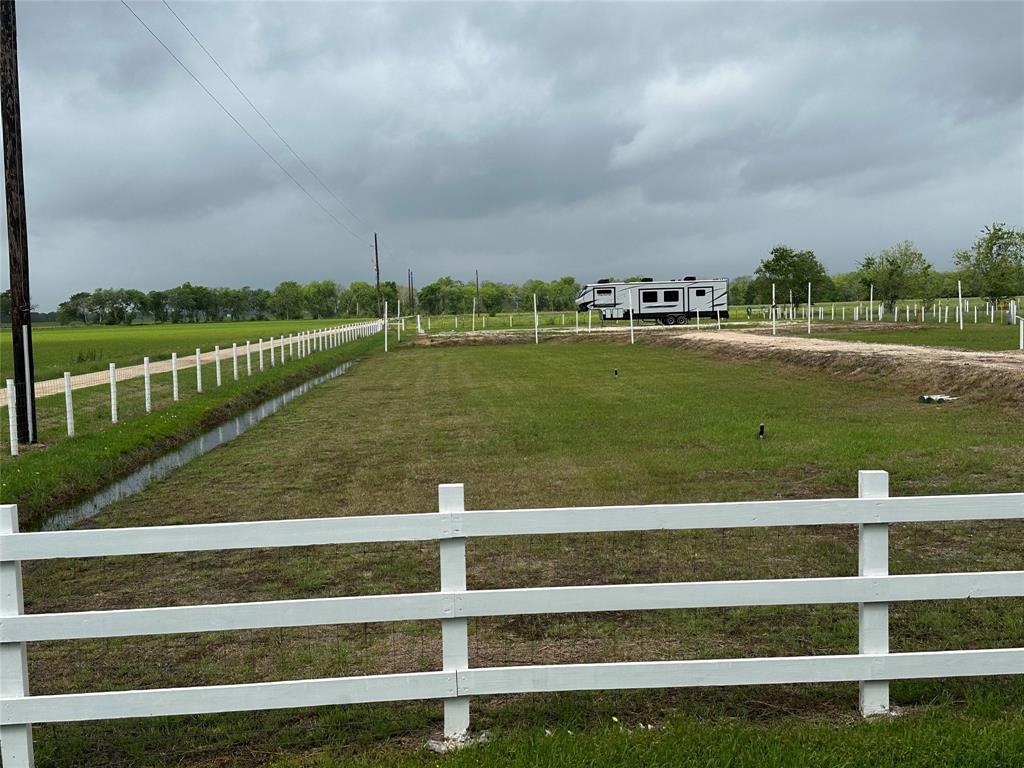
{"type": "Point", "coordinates": [670, 320]}
{"type": "Point", "coordinates": [681, 319]}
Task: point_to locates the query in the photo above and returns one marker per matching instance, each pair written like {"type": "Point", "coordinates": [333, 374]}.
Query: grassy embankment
{"type": "Point", "coordinates": [539, 426]}
{"type": "Point", "coordinates": [61, 470]}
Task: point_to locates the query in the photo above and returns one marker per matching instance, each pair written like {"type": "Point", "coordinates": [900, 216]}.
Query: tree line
{"type": "Point", "coordinates": [992, 268]}
{"type": "Point", "coordinates": [190, 303]}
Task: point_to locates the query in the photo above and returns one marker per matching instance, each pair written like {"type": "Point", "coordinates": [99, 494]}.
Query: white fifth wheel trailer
{"type": "Point", "coordinates": [669, 302]}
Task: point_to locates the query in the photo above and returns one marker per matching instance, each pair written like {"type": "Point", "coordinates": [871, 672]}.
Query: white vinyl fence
{"type": "Point", "coordinates": [872, 589]}
{"type": "Point", "coordinates": [293, 346]}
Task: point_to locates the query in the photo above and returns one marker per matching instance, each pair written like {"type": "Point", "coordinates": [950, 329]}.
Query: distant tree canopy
{"type": "Point", "coordinates": [897, 273]}
{"type": "Point", "coordinates": [448, 295]}
{"type": "Point", "coordinates": [994, 266]}
{"type": "Point", "coordinates": [790, 271]}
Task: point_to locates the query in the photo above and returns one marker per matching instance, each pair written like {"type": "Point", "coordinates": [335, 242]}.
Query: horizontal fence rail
{"type": "Point", "coordinates": [507, 602]}
{"type": "Point", "coordinates": [453, 605]}
{"type": "Point", "coordinates": [510, 522]}
{"type": "Point", "coordinates": [506, 680]}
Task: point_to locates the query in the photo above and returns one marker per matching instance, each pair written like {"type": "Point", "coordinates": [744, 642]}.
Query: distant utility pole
{"type": "Point", "coordinates": [376, 264]}
{"type": "Point", "coordinates": [477, 287]}
{"type": "Point", "coordinates": [17, 226]}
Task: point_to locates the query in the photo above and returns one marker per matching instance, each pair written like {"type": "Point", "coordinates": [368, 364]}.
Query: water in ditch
{"type": "Point", "coordinates": [205, 443]}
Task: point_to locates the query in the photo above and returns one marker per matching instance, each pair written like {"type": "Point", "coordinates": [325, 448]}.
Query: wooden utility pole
{"type": "Point", "coordinates": [17, 226]}
{"type": "Point", "coordinates": [376, 263]}
{"type": "Point", "coordinates": [477, 271]}
{"type": "Point", "coordinates": [412, 291]}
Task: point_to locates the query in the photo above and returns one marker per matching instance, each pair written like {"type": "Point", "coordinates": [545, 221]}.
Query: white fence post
{"type": "Point", "coordinates": [199, 371]}
{"type": "Point", "coordinates": [260, 351]}
{"type": "Point", "coordinates": [385, 326]}
{"type": "Point", "coordinates": [216, 363]}
{"type": "Point", "coordinates": [174, 376]}
{"type": "Point", "coordinates": [12, 415]}
{"type": "Point", "coordinates": [15, 740]}
{"type": "Point", "coordinates": [873, 560]}
{"type": "Point", "coordinates": [113, 394]}
{"type": "Point", "coordinates": [248, 358]}
{"type": "Point", "coordinates": [146, 381]}
{"type": "Point", "coordinates": [273, 354]}
{"type": "Point", "coordinates": [234, 360]}
{"type": "Point", "coordinates": [454, 632]}
{"type": "Point", "coordinates": [631, 339]}
{"type": "Point", "coordinates": [67, 404]}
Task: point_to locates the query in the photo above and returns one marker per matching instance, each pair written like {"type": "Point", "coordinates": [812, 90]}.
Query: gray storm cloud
{"type": "Point", "coordinates": [520, 140]}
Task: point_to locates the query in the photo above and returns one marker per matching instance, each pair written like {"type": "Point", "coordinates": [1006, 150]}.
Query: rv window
{"type": "Point", "coordinates": [700, 292]}
{"type": "Point", "coordinates": [672, 296]}
{"type": "Point", "coordinates": [604, 291]}
{"type": "Point", "coordinates": [649, 296]}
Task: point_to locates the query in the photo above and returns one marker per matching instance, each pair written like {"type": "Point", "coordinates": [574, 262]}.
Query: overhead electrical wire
{"type": "Point", "coordinates": [241, 127]}
{"type": "Point", "coordinates": [263, 117]}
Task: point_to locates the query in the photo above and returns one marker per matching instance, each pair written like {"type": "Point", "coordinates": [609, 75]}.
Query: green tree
{"type": "Point", "coordinates": [742, 290]}
{"type": "Point", "coordinates": [362, 298]}
{"type": "Point", "coordinates": [443, 296]}
{"type": "Point", "coordinates": [562, 293]}
{"type": "Point", "coordinates": [321, 298]}
{"type": "Point", "coordinates": [287, 300]}
{"type": "Point", "coordinates": [259, 303]}
{"type": "Point", "coordinates": [527, 292]}
{"type": "Point", "coordinates": [897, 273]}
{"type": "Point", "coordinates": [389, 294]}
{"type": "Point", "coordinates": [791, 271]}
{"type": "Point", "coordinates": [238, 302]}
{"type": "Point", "coordinates": [156, 305]}
{"type": "Point", "coordinates": [994, 267]}
{"type": "Point", "coordinates": [75, 308]}
{"type": "Point", "coordinates": [494, 296]}
{"type": "Point", "coordinates": [846, 287]}
{"type": "Point", "coordinates": [183, 303]}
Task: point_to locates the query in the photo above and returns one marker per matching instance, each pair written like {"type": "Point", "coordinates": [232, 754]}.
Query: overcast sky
{"type": "Point", "coordinates": [524, 140]}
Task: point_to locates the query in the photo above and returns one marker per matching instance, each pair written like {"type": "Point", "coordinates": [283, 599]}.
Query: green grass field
{"type": "Point", "coordinates": [547, 425]}
{"type": "Point", "coordinates": [85, 348]}
{"type": "Point", "coordinates": [983, 337]}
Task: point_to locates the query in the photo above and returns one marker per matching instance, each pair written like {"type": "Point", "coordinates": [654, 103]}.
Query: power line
{"type": "Point", "coordinates": [241, 127]}
{"type": "Point", "coordinates": [262, 116]}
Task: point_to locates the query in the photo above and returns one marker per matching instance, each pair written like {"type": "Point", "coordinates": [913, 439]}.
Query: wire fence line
{"type": "Point", "coordinates": [229, 363]}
